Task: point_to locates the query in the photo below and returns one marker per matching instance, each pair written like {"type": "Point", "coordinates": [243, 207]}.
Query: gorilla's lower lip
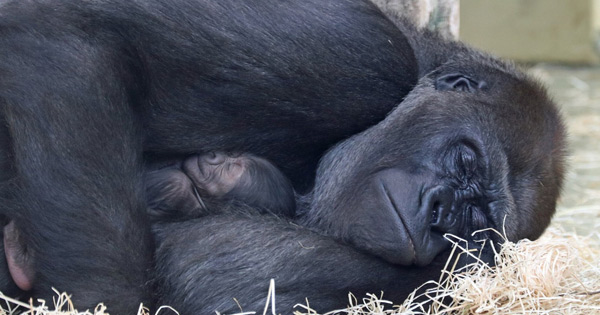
{"type": "Point", "coordinates": [394, 206]}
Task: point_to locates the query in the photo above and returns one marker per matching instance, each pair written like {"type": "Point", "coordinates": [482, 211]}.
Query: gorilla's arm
{"type": "Point", "coordinates": [78, 194]}
{"type": "Point", "coordinates": [202, 266]}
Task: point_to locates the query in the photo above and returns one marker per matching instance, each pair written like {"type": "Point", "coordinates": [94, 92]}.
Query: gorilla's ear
{"type": "Point", "coordinates": [458, 82]}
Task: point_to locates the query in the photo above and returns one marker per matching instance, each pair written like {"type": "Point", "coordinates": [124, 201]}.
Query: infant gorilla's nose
{"type": "Point", "coordinates": [214, 158]}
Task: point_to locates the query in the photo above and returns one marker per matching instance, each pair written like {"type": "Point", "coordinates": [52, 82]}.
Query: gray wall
{"type": "Point", "coordinates": [533, 30]}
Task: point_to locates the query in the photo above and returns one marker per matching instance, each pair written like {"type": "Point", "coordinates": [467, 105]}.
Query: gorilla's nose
{"type": "Point", "coordinates": [442, 208]}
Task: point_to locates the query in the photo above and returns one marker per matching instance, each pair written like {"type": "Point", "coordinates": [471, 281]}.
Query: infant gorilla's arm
{"type": "Point", "coordinates": [212, 182]}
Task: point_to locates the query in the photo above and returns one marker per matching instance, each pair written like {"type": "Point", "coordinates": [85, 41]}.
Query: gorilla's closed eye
{"type": "Point", "coordinates": [461, 160]}
{"type": "Point", "coordinates": [466, 161]}
{"type": "Point", "coordinates": [458, 82]}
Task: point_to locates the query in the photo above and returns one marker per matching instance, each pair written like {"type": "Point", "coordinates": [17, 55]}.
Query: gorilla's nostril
{"type": "Point", "coordinates": [435, 213]}
{"type": "Point", "coordinates": [439, 204]}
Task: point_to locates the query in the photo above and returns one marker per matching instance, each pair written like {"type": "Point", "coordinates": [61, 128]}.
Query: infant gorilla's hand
{"type": "Point", "coordinates": [171, 195]}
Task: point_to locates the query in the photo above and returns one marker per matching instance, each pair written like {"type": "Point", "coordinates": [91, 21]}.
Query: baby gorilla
{"type": "Point", "coordinates": [208, 183]}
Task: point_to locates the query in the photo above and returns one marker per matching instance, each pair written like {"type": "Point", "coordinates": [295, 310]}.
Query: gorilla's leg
{"type": "Point", "coordinates": [79, 203]}
{"type": "Point", "coordinates": [203, 264]}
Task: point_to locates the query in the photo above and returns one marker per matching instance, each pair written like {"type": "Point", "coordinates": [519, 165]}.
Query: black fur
{"type": "Point", "coordinates": [89, 89]}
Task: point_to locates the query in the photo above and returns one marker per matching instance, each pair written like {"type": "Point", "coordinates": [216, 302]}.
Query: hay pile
{"type": "Point", "coordinates": [559, 273]}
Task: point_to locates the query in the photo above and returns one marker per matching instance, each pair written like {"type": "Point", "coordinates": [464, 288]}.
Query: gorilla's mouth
{"type": "Point", "coordinates": [391, 203]}
{"type": "Point", "coordinates": [404, 214]}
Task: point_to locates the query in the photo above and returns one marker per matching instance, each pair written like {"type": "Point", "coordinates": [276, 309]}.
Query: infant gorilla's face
{"type": "Point", "coordinates": [216, 173]}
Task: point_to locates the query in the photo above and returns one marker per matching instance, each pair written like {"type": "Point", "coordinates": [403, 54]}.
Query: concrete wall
{"type": "Point", "coordinates": [533, 30]}
{"type": "Point", "coordinates": [441, 16]}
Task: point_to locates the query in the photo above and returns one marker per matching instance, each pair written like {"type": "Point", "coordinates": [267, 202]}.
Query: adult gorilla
{"type": "Point", "coordinates": [88, 89]}
{"type": "Point", "coordinates": [450, 158]}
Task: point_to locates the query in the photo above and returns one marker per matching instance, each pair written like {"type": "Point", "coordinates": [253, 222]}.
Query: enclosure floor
{"type": "Point", "coordinates": [577, 91]}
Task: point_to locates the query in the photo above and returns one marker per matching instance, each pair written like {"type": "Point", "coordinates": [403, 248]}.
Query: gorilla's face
{"type": "Point", "coordinates": [460, 154]}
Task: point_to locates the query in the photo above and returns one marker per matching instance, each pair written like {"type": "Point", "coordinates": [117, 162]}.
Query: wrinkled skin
{"type": "Point", "coordinates": [91, 91]}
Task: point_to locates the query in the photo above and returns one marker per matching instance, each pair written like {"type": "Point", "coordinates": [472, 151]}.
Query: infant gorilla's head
{"type": "Point", "coordinates": [243, 177]}
{"type": "Point", "coordinates": [208, 180]}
